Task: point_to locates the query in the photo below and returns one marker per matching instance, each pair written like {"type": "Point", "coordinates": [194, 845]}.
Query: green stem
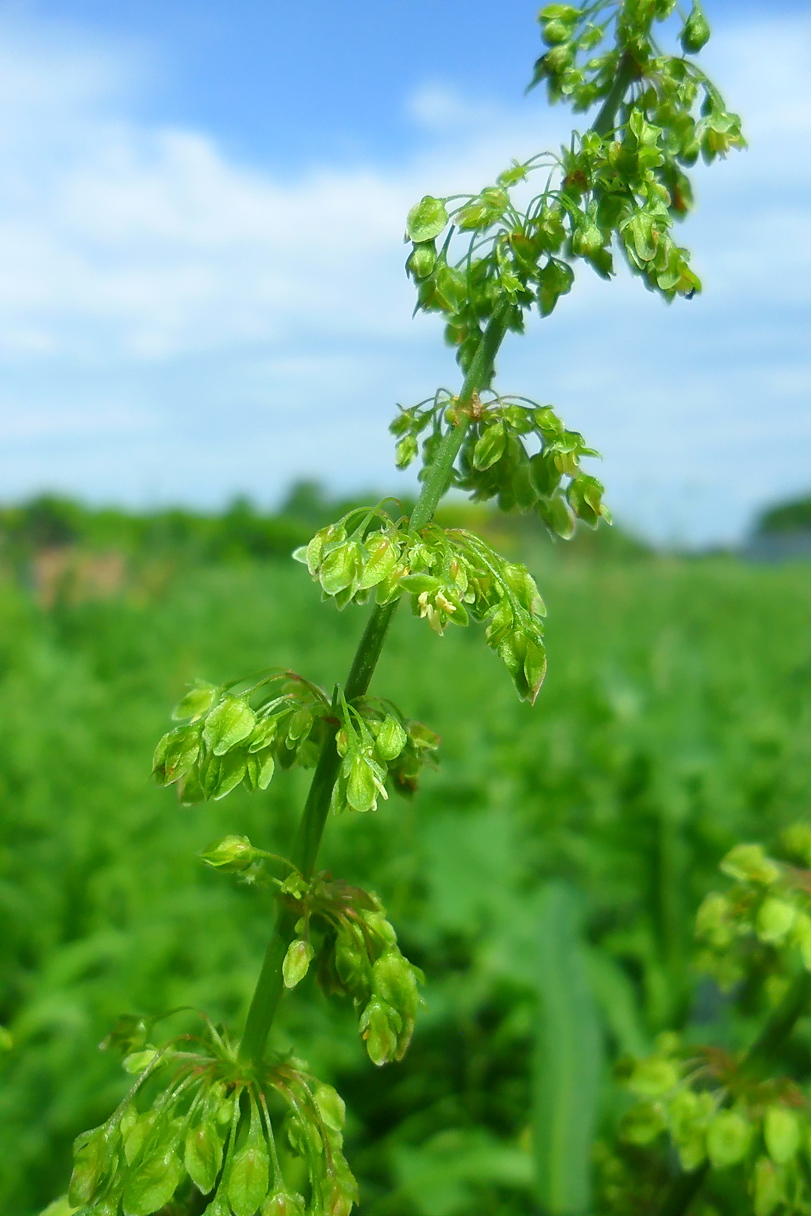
{"type": "Point", "coordinates": [778, 1027]}
{"type": "Point", "coordinates": [269, 987]}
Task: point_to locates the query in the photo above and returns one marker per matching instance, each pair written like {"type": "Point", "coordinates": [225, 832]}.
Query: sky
{"type": "Point", "coordinates": [201, 260]}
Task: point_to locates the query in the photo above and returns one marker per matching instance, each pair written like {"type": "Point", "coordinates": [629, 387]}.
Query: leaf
{"type": "Point", "coordinates": [152, 1185]}
{"type": "Point", "coordinates": [568, 1058]}
{"type": "Point", "coordinates": [426, 220]}
{"type": "Point", "coordinates": [203, 1156]}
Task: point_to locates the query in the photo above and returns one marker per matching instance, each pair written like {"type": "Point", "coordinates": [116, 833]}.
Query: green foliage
{"type": "Point", "coordinates": [568, 1059]}
{"type": "Point", "coordinates": [674, 724]}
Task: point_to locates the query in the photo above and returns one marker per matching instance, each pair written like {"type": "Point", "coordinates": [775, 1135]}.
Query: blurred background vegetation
{"type": "Point", "coordinates": [675, 722]}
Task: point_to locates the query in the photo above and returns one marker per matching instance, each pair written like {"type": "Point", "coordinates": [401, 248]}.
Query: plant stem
{"type": "Point", "coordinates": [778, 1027]}
{"type": "Point", "coordinates": [269, 987]}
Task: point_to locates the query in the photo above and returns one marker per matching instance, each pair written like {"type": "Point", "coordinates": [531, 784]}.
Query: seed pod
{"type": "Point", "coordinates": [382, 557]}
{"type": "Point", "coordinates": [228, 724]}
{"type": "Point", "coordinates": [376, 1027]}
{"type": "Point", "coordinates": [405, 451]}
{"type": "Point", "coordinates": [248, 1182]}
{"type": "Point", "coordinates": [421, 260]}
{"type": "Point", "coordinates": [296, 962]}
{"type": "Point", "coordinates": [775, 920]}
{"type": "Point", "coordinates": [351, 957]}
{"type": "Point", "coordinates": [394, 981]}
{"type": "Point", "coordinates": [175, 754]}
{"type": "Point", "coordinates": [260, 769]}
{"type": "Point", "coordinates": [729, 1136]}
{"type": "Point", "coordinates": [749, 863]}
{"type": "Point", "coordinates": [223, 773]}
{"type": "Point", "coordinates": [426, 220]}
{"type": "Point", "coordinates": [152, 1185]}
{"type": "Point", "coordinates": [339, 568]}
{"type": "Point", "coordinates": [203, 1156]}
{"type": "Point", "coordinates": [781, 1131]}
{"type": "Point", "coordinates": [696, 32]}
{"type": "Point", "coordinates": [769, 1187]}
{"type": "Point", "coordinates": [231, 854]}
{"type": "Point", "coordinates": [196, 702]}
{"type": "Point", "coordinates": [284, 1203]}
{"type": "Point", "coordinates": [263, 734]}
{"type": "Point", "coordinates": [489, 446]}
{"type": "Point", "coordinates": [93, 1155]}
{"type": "Point", "coordinates": [361, 788]}
{"type": "Point", "coordinates": [391, 739]}
{"type": "Point", "coordinates": [331, 1107]}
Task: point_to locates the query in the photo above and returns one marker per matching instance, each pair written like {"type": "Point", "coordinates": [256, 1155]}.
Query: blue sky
{"type": "Point", "coordinates": [201, 288]}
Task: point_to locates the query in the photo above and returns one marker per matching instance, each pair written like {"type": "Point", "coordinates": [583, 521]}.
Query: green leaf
{"type": "Point", "coordinates": [152, 1185]}
{"type": "Point", "coordinates": [203, 1156]}
{"type": "Point", "coordinates": [228, 724]}
{"type": "Point", "coordinates": [568, 1060]}
{"type": "Point", "coordinates": [426, 220]}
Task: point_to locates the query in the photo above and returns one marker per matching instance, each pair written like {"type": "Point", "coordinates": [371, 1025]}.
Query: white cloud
{"type": "Point", "coordinates": [152, 286]}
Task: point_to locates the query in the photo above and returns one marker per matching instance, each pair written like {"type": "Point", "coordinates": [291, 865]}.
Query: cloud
{"type": "Point", "coordinates": [158, 295]}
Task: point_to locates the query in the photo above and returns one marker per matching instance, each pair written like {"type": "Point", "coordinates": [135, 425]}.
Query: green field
{"type": "Point", "coordinates": [675, 721]}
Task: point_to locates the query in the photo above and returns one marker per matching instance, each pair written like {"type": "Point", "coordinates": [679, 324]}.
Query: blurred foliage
{"type": "Point", "coordinates": [793, 516]}
{"type": "Point", "coordinates": [674, 723]}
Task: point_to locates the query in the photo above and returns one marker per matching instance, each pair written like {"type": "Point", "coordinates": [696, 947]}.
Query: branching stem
{"type": "Point", "coordinates": [269, 987]}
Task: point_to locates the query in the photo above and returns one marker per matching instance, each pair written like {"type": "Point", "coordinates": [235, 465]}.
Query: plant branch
{"type": "Point", "coordinates": [778, 1027]}
{"type": "Point", "coordinates": [437, 478]}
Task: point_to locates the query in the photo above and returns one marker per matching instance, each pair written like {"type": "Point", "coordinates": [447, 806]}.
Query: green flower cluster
{"type": "Point", "coordinates": [377, 747]}
{"type": "Point", "coordinates": [451, 576]}
{"type": "Point", "coordinates": [282, 719]}
{"type": "Point", "coordinates": [713, 1113]}
{"type": "Point", "coordinates": [601, 190]}
{"type": "Point", "coordinates": [495, 461]}
{"type": "Point", "coordinates": [763, 923]}
{"type": "Point", "coordinates": [239, 733]}
{"type": "Point", "coordinates": [356, 954]}
{"type": "Point", "coordinates": [261, 1140]}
